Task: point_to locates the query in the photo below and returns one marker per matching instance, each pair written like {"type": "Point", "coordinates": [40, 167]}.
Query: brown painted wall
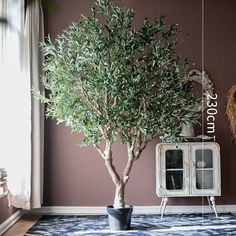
{"type": "Point", "coordinates": [77, 176]}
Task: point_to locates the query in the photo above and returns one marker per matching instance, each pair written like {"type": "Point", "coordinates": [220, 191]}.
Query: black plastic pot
{"type": "Point", "coordinates": [119, 219]}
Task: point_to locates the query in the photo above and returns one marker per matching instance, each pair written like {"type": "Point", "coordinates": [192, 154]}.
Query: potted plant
{"type": "Point", "coordinates": [106, 79]}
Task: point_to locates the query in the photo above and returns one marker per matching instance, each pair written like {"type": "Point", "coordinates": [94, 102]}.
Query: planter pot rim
{"type": "Point", "coordinates": [127, 206]}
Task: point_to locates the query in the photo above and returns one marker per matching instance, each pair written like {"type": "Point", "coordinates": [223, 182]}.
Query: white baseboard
{"type": "Point", "coordinates": [70, 210]}
{"type": "Point", "coordinates": [97, 210]}
{"type": "Point", "coordinates": [10, 221]}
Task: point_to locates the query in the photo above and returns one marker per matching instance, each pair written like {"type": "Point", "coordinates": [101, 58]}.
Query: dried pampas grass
{"type": "Point", "coordinates": [231, 109]}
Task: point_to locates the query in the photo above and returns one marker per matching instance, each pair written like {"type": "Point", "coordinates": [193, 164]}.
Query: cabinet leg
{"type": "Point", "coordinates": [212, 204]}
{"type": "Point", "coordinates": [164, 201]}
{"type": "Point", "coordinates": [212, 199]}
{"type": "Point", "coordinates": [209, 202]}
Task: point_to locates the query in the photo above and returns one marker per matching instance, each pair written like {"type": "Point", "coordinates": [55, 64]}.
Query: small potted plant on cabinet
{"type": "Point", "coordinates": [106, 79]}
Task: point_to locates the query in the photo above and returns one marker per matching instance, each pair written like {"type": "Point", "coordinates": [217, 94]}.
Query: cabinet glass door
{"type": "Point", "coordinates": [204, 169]}
{"type": "Point", "coordinates": [174, 169]}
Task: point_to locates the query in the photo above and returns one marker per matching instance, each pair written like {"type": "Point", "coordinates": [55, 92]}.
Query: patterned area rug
{"type": "Point", "coordinates": [171, 225]}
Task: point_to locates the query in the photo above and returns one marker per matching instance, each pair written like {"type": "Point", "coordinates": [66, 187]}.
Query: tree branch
{"type": "Point", "coordinates": [87, 99]}
{"type": "Point", "coordinates": [108, 161]}
{"type": "Point", "coordinates": [131, 159]}
{"type": "Point", "coordinates": [142, 146]}
{"type": "Point", "coordinates": [99, 150]}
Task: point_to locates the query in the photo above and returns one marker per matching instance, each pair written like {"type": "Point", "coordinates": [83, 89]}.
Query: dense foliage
{"type": "Point", "coordinates": [106, 78]}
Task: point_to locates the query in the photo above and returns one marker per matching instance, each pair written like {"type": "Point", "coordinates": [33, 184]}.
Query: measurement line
{"type": "Point", "coordinates": [203, 69]}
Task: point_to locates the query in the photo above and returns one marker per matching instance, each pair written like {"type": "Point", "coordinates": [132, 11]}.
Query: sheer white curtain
{"type": "Point", "coordinates": [20, 146]}
{"type": "Point", "coordinates": [33, 58]}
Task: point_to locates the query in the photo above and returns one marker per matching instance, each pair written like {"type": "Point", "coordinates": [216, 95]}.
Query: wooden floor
{"type": "Point", "coordinates": [21, 226]}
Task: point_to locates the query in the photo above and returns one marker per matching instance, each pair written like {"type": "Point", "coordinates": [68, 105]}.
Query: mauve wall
{"type": "Point", "coordinates": [77, 176]}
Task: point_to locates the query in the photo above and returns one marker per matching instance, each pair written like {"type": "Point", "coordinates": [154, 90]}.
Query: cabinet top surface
{"type": "Point", "coordinates": [188, 143]}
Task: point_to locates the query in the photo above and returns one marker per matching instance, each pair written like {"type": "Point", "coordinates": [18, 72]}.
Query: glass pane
{"type": "Point", "coordinates": [204, 179]}
{"type": "Point", "coordinates": [174, 180]}
{"type": "Point", "coordinates": [174, 159]}
{"type": "Point", "coordinates": [204, 158]}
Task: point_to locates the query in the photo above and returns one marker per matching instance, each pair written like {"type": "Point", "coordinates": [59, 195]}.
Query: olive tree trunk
{"type": "Point", "coordinates": [119, 200]}
{"type": "Point", "coordinates": [120, 182]}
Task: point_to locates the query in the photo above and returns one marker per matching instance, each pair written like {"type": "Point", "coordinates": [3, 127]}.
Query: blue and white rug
{"type": "Point", "coordinates": [148, 225]}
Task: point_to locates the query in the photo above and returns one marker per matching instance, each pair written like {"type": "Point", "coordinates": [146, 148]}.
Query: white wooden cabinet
{"type": "Point", "coordinates": [188, 169]}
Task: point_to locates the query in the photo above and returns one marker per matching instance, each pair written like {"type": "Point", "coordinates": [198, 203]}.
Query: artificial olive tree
{"type": "Point", "coordinates": [106, 79]}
